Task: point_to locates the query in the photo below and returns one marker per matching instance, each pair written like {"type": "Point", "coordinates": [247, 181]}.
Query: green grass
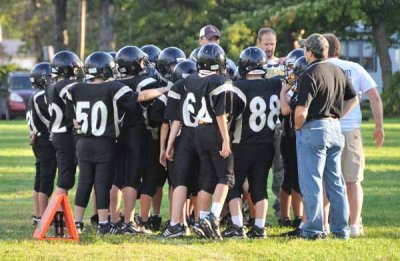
{"type": "Point", "coordinates": [380, 217]}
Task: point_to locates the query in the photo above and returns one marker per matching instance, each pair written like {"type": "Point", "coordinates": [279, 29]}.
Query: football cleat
{"type": "Point", "coordinates": [35, 220]}
{"type": "Point", "coordinates": [79, 227]}
{"type": "Point", "coordinates": [257, 232]}
{"type": "Point", "coordinates": [155, 222]}
{"type": "Point", "coordinates": [198, 230]}
{"type": "Point", "coordinates": [296, 222]}
{"type": "Point", "coordinates": [115, 228]}
{"type": "Point", "coordinates": [94, 220]}
{"type": "Point", "coordinates": [103, 229]}
{"type": "Point", "coordinates": [210, 226]}
{"type": "Point", "coordinates": [285, 222]}
{"type": "Point", "coordinates": [234, 231]}
{"type": "Point", "coordinates": [174, 231]}
{"type": "Point", "coordinates": [130, 228]}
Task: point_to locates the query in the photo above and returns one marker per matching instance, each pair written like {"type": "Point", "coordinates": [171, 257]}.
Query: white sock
{"type": "Point", "coordinates": [173, 223]}
{"type": "Point", "coordinates": [260, 222]}
{"type": "Point", "coordinates": [216, 209]}
{"type": "Point", "coordinates": [203, 214]}
{"type": "Point", "coordinates": [103, 222]}
{"type": "Point", "coordinates": [237, 220]}
{"type": "Point", "coordinates": [301, 225]}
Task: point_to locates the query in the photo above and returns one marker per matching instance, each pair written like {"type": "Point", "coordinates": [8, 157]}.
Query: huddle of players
{"type": "Point", "coordinates": [115, 119]}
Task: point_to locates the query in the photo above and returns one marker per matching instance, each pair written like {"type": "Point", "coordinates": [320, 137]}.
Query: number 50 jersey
{"type": "Point", "coordinates": [99, 108]}
{"type": "Point", "coordinates": [256, 123]}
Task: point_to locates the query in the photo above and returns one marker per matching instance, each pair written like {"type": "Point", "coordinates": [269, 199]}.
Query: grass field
{"type": "Point", "coordinates": [380, 217]}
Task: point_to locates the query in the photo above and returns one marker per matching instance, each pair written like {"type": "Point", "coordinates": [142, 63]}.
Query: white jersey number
{"type": "Point", "coordinates": [188, 110]}
{"type": "Point", "coordinates": [258, 118]}
{"type": "Point", "coordinates": [98, 117]}
{"type": "Point", "coordinates": [56, 127]}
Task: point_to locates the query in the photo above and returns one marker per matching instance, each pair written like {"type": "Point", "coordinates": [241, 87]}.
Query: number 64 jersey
{"type": "Point", "coordinates": [257, 110]}
{"type": "Point", "coordinates": [99, 108]}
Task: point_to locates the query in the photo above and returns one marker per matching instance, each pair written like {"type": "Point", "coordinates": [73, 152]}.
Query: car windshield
{"type": "Point", "coordinates": [20, 83]}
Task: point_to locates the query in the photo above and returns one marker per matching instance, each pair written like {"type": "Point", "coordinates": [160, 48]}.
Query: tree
{"type": "Point", "coordinates": [106, 21]}
{"type": "Point", "coordinates": [61, 25]}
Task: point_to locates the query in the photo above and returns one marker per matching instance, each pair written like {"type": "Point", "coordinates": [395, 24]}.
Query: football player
{"type": "Point", "coordinates": [66, 67]}
{"type": "Point", "coordinates": [38, 120]}
{"type": "Point", "coordinates": [181, 150]}
{"type": "Point", "coordinates": [207, 93]}
{"type": "Point", "coordinates": [97, 108]}
{"type": "Point", "coordinates": [253, 143]}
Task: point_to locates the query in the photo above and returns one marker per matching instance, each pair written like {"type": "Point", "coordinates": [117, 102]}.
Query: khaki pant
{"type": "Point", "coordinates": [353, 160]}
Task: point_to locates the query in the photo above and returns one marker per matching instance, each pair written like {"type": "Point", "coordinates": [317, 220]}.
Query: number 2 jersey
{"type": "Point", "coordinates": [37, 116]}
{"type": "Point", "coordinates": [260, 99]}
{"type": "Point", "coordinates": [99, 107]}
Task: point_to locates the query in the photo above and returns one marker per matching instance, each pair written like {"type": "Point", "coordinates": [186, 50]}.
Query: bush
{"type": "Point", "coordinates": [391, 97]}
{"type": "Point", "coordinates": [5, 69]}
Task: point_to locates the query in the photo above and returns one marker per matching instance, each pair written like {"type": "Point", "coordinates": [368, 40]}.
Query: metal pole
{"type": "Point", "coordinates": [82, 30]}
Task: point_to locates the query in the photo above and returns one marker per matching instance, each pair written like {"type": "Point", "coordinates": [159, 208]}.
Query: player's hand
{"type": "Point", "coordinates": [163, 159]}
{"type": "Point", "coordinates": [285, 87]}
{"type": "Point", "coordinates": [282, 60]}
{"type": "Point", "coordinates": [378, 136]}
{"type": "Point", "coordinates": [169, 153]}
{"type": "Point", "coordinates": [226, 149]}
{"type": "Point", "coordinates": [32, 138]}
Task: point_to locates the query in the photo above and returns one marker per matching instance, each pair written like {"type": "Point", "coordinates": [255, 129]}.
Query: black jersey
{"type": "Point", "coordinates": [207, 95]}
{"type": "Point", "coordinates": [99, 107]}
{"type": "Point", "coordinates": [256, 124]}
{"type": "Point", "coordinates": [137, 84]}
{"type": "Point", "coordinates": [56, 95]}
{"type": "Point", "coordinates": [37, 116]}
{"type": "Point", "coordinates": [174, 97]}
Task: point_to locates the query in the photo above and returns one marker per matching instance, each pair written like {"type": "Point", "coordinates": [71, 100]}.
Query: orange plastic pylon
{"type": "Point", "coordinates": [55, 203]}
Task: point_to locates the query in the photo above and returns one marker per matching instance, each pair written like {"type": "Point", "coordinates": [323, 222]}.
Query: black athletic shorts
{"type": "Point", "coordinates": [129, 156]}
{"type": "Point", "coordinates": [46, 165]}
{"type": "Point", "coordinates": [289, 157]}
{"type": "Point", "coordinates": [96, 158]}
{"type": "Point", "coordinates": [186, 160]}
{"type": "Point", "coordinates": [252, 161]}
{"type": "Point", "coordinates": [64, 145]}
{"type": "Point", "coordinates": [155, 174]}
{"type": "Point", "coordinates": [214, 169]}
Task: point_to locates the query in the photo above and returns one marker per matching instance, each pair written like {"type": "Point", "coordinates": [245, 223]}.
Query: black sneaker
{"type": "Point", "coordinates": [115, 228]}
{"type": "Point", "coordinates": [130, 229]}
{"type": "Point", "coordinates": [174, 231]}
{"type": "Point", "coordinates": [79, 227]}
{"type": "Point", "coordinates": [190, 220]}
{"type": "Point", "coordinates": [226, 220]}
{"type": "Point", "coordinates": [210, 226]}
{"type": "Point", "coordinates": [94, 220]}
{"type": "Point", "coordinates": [103, 229]}
{"type": "Point", "coordinates": [285, 222]}
{"type": "Point", "coordinates": [198, 230]}
{"type": "Point", "coordinates": [293, 233]}
{"type": "Point", "coordinates": [155, 222]}
{"type": "Point", "coordinates": [250, 222]}
{"type": "Point", "coordinates": [296, 222]}
{"type": "Point", "coordinates": [35, 220]}
{"type": "Point", "coordinates": [257, 232]}
{"type": "Point", "coordinates": [145, 227]}
{"type": "Point", "coordinates": [234, 231]}
{"type": "Point", "coordinates": [318, 236]}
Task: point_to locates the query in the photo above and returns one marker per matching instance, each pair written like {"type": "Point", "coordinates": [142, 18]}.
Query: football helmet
{"type": "Point", "coordinates": [193, 54]}
{"type": "Point", "coordinates": [40, 75]}
{"type": "Point", "coordinates": [292, 57]}
{"type": "Point", "coordinates": [168, 57]}
{"type": "Point", "coordinates": [299, 66]}
{"type": "Point", "coordinates": [66, 64]}
{"type": "Point", "coordinates": [211, 57]}
{"type": "Point", "coordinates": [183, 69]}
{"type": "Point", "coordinates": [100, 65]}
{"type": "Point", "coordinates": [129, 60]}
{"type": "Point", "coordinates": [230, 68]}
{"type": "Point", "coordinates": [112, 54]}
{"type": "Point", "coordinates": [152, 52]}
{"type": "Point", "coordinates": [252, 61]}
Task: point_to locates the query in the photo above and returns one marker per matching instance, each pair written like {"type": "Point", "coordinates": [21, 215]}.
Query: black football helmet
{"type": "Point", "coordinates": [211, 57]}
{"type": "Point", "coordinates": [66, 64]}
{"type": "Point", "coordinates": [40, 75]}
{"type": "Point", "coordinates": [299, 66]}
{"type": "Point", "coordinates": [292, 57]}
{"type": "Point", "coordinates": [129, 58]}
{"type": "Point", "coordinates": [252, 61]}
{"type": "Point", "coordinates": [168, 57]}
{"type": "Point", "coordinates": [100, 65]}
{"type": "Point", "coordinates": [113, 54]}
{"type": "Point", "coordinates": [152, 52]}
{"type": "Point", "coordinates": [230, 68]}
{"type": "Point", "coordinates": [183, 69]}
{"type": "Point", "coordinates": [193, 54]}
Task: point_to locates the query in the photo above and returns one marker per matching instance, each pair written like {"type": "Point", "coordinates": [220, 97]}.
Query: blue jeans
{"type": "Point", "coordinates": [319, 146]}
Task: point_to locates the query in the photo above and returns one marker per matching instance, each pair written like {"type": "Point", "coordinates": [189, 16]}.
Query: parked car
{"type": "Point", "coordinates": [14, 95]}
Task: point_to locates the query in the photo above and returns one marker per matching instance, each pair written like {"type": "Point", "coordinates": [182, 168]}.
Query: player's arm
{"type": "Point", "coordinates": [151, 94]}
{"type": "Point", "coordinates": [283, 98]}
{"type": "Point", "coordinates": [300, 116]}
{"type": "Point", "coordinates": [163, 140]}
{"type": "Point", "coordinates": [223, 129]}
{"type": "Point", "coordinates": [175, 127]}
{"type": "Point", "coordinates": [377, 112]}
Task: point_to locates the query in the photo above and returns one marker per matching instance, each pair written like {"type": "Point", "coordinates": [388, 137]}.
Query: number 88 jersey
{"type": "Point", "coordinates": [256, 122]}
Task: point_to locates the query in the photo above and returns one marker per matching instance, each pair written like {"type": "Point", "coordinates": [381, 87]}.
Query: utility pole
{"type": "Point", "coordinates": [82, 30]}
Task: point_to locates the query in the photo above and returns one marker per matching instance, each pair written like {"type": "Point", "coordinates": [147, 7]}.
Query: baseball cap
{"type": "Point", "coordinates": [209, 31]}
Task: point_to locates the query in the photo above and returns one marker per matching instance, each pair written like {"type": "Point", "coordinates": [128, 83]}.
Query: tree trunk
{"type": "Point", "coordinates": [61, 32]}
{"type": "Point", "coordinates": [37, 40]}
{"type": "Point", "coordinates": [380, 39]}
{"type": "Point", "coordinates": [107, 36]}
